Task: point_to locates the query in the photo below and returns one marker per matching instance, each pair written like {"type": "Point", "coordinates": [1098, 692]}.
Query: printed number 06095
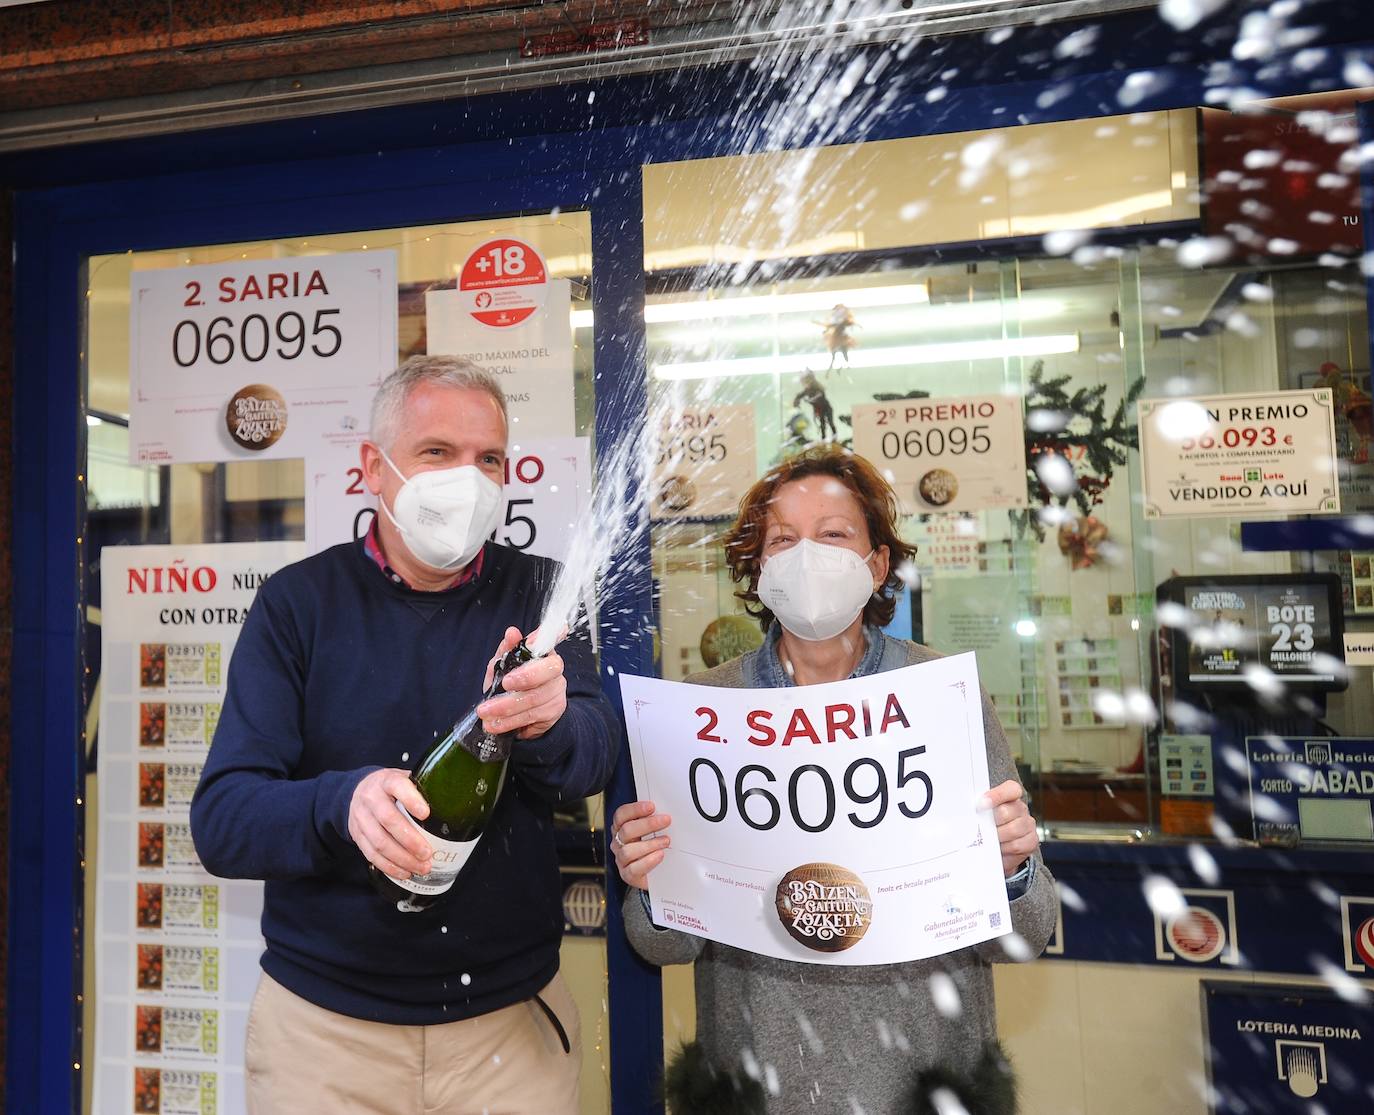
{"type": "Point", "coordinates": [865, 783]}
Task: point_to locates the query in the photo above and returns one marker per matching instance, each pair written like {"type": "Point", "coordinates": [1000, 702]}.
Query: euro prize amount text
{"type": "Point", "coordinates": [865, 781]}
{"type": "Point", "coordinates": [1232, 437]}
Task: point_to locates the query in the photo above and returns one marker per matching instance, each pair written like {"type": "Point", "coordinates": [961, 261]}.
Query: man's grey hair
{"type": "Point", "coordinates": [443, 371]}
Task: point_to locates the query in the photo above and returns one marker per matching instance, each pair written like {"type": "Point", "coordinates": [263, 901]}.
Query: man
{"type": "Point", "coordinates": [349, 665]}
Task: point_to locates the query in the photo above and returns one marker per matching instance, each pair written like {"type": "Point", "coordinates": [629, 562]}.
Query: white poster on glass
{"type": "Point", "coordinates": [704, 460]}
{"type": "Point", "coordinates": [548, 485]}
{"type": "Point", "coordinates": [177, 949]}
{"type": "Point", "coordinates": [531, 353]}
{"type": "Point", "coordinates": [1268, 452]}
{"type": "Point", "coordinates": [257, 359]}
{"type": "Point", "coordinates": [955, 454]}
{"type": "Point", "coordinates": [832, 824]}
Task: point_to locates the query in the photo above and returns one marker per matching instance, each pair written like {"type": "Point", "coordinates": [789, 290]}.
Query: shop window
{"type": "Point", "coordinates": [190, 503]}
{"type": "Point", "coordinates": [809, 290]}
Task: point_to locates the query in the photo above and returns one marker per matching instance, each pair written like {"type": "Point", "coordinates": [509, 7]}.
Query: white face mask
{"type": "Point", "coordinates": [444, 515]}
{"type": "Point", "coordinates": [816, 591]}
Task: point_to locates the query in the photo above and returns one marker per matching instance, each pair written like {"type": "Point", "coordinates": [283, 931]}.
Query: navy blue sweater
{"type": "Point", "coordinates": [338, 672]}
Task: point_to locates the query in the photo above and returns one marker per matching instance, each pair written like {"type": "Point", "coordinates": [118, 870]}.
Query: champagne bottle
{"type": "Point", "coordinates": [460, 777]}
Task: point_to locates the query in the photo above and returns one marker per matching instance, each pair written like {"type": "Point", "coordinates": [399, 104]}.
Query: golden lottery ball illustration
{"type": "Point", "coordinates": [938, 487]}
{"type": "Point", "coordinates": [824, 906]}
{"type": "Point", "coordinates": [256, 416]}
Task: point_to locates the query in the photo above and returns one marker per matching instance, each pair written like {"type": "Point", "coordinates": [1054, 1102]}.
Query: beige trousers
{"type": "Point", "coordinates": [301, 1059]}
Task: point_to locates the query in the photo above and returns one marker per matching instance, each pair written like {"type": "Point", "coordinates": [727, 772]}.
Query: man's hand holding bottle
{"type": "Point", "coordinates": [391, 843]}
{"type": "Point", "coordinates": [536, 694]}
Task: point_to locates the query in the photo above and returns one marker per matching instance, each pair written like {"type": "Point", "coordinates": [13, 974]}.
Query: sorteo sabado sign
{"type": "Point", "coordinates": [833, 824]}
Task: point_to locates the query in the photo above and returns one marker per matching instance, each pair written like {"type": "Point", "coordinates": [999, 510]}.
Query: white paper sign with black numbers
{"type": "Point", "coordinates": [832, 824]}
{"type": "Point", "coordinates": [257, 359]}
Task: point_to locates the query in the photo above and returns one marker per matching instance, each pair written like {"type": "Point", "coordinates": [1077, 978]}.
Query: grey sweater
{"type": "Point", "coordinates": [837, 1038]}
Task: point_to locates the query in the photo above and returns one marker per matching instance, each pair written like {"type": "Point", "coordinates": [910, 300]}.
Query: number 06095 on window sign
{"type": "Point", "coordinates": [828, 823]}
{"type": "Point", "coordinates": [947, 454]}
{"type": "Point", "coordinates": [258, 358]}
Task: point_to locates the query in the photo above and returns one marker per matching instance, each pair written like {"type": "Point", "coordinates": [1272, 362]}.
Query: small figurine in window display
{"type": "Point", "coordinates": [835, 329]}
{"type": "Point", "coordinates": [814, 394]}
{"type": "Point", "coordinates": [1354, 402]}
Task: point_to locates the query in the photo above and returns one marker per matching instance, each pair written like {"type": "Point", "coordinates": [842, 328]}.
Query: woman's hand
{"type": "Point", "coordinates": [633, 841]}
{"type": "Point", "coordinates": [1016, 834]}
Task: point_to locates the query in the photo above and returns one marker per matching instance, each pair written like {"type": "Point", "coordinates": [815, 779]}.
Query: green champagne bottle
{"type": "Point", "coordinates": [460, 777]}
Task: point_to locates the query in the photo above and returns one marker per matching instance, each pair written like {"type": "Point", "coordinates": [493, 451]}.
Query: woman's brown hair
{"type": "Point", "coordinates": [744, 542]}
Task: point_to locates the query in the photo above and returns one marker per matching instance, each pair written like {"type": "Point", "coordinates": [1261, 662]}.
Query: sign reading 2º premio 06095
{"type": "Point", "coordinates": [957, 454]}
{"type": "Point", "coordinates": [1231, 454]}
{"type": "Point", "coordinates": [257, 358]}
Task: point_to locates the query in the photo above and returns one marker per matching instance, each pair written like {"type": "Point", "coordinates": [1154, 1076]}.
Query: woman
{"type": "Point", "coordinates": [815, 548]}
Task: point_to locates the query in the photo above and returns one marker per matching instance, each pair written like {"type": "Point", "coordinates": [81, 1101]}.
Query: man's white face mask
{"type": "Point", "coordinates": [445, 515]}
{"type": "Point", "coordinates": [816, 591]}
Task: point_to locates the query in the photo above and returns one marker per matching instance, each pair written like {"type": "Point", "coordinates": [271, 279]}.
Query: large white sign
{"type": "Point", "coordinates": [532, 356]}
{"type": "Point", "coordinates": [704, 460]}
{"type": "Point", "coordinates": [960, 454]}
{"type": "Point", "coordinates": [178, 949]}
{"type": "Point", "coordinates": [257, 359]}
{"type": "Point", "coordinates": [834, 823]}
{"type": "Point", "coordinates": [1239, 454]}
{"type": "Point", "coordinates": [547, 490]}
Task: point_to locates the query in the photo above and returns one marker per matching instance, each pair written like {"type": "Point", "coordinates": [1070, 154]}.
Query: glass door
{"type": "Point", "coordinates": [165, 994]}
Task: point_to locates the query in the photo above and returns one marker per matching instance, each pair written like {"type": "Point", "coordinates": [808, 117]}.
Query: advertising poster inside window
{"type": "Point", "coordinates": [959, 454]}
{"type": "Point", "coordinates": [508, 316]}
{"type": "Point", "coordinates": [178, 949]}
{"type": "Point", "coordinates": [704, 460]}
{"type": "Point", "coordinates": [1238, 631]}
{"type": "Point", "coordinates": [1239, 454]}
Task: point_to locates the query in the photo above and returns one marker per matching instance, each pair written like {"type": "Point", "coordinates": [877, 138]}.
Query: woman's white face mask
{"type": "Point", "coordinates": [445, 515]}
{"type": "Point", "coordinates": [816, 591]}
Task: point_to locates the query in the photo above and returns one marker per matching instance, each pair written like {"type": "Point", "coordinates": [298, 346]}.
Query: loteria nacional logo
{"type": "Point", "coordinates": [824, 906]}
{"type": "Point", "coordinates": [256, 416]}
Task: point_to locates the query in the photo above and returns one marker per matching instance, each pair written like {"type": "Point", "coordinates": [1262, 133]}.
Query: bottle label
{"type": "Point", "coordinates": [449, 859]}
{"type": "Point", "coordinates": [487, 748]}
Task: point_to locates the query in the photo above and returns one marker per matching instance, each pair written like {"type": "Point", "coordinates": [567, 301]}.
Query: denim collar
{"type": "Point", "coordinates": [763, 668]}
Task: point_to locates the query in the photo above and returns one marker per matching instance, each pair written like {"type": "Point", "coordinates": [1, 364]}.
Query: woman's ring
{"type": "Point", "coordinates": [615, 838]}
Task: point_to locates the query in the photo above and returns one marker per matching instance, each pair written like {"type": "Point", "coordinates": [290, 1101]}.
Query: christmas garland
{"type": "Point", "coordinates": [1051, 412]}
